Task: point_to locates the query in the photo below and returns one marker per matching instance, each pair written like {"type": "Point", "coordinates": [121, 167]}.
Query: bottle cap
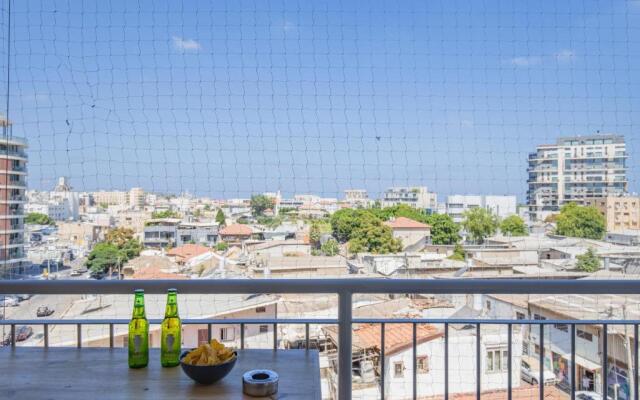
{"type": "Point", "coordinates": [138, 291]}
{"type": "Point", "coordinates": [173, 290]}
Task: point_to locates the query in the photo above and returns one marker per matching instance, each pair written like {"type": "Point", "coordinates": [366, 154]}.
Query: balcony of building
{"type": "Point", "coordinates": [489, 345]}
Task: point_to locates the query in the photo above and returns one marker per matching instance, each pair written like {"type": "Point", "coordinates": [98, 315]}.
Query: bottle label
{"type": "Point", "coordinates": [137, 343]}
{"type": "Point", "coordinates": [170, 340]}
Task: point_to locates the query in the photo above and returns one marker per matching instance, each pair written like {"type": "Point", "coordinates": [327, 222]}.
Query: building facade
{"type": "Point", "coordinates": [621, 212]}
{"type": "Point", "coordinates": [13, 184]}
{"type": "Point", "coordinates": [501, 206]}
{"type": "Point", "coordinates": [417, 196]}
{"type": "Point", "coordinates": [574, 169]}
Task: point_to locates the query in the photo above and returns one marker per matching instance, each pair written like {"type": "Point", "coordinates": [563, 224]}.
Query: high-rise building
{"type": "Point", "coordinates": [416, 196]}
{"type": "Point", "coordinates": [13, 184]}
{"type": "Point", "coordinates": [136, 198]}
{"type": "Point", "coordinates": [574, 169]}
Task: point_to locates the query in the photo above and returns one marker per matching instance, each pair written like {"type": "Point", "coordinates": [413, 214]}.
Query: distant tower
{"type": "Point", "coordinates": [63, 185]}
{"type": "Point", "coordinates": [13, 184]}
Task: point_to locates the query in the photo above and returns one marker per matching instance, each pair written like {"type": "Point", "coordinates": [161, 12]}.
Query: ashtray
{"type": "Point", "coordinates": [260, 383]}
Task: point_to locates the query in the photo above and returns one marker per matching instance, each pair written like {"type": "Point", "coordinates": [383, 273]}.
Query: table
{"type": "Point", "coordinates": [102, 373]}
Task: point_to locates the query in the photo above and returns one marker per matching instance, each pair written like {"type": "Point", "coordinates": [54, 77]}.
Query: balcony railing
{"type": "Point", "coordinates": [345, 289]}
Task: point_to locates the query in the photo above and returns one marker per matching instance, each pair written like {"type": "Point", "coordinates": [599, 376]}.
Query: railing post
{"type": "Point", "coordinates": [344, 345]}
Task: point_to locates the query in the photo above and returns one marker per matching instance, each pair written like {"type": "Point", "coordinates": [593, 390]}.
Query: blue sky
{"type": "Point", "coordinates": [224, 99]}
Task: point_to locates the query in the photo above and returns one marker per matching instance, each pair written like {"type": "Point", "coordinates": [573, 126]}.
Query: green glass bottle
{"type": "Point", "coordinates": [171, 339]}
{"type": "Point", "coordinates": [138, 333]}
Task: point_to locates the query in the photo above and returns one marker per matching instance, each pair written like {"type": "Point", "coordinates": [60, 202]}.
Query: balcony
{"type": "Point", "coordinates": [467, 346]}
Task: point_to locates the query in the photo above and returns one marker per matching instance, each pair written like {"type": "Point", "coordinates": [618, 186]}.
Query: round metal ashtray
{"type": "Point", "coordinates": [260, 383]}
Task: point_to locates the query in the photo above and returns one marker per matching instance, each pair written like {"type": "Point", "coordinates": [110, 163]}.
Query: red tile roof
{"type": "Point", "coordinates": [188, 251]}
{"type": "Point", "coordinates": [405, 223]}
{"type": "Point", "coordinates": [236, 230]}
{"type": "Point", "coordinates": [396, 336]}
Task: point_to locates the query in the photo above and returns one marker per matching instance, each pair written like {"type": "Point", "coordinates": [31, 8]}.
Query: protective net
{"type": "Point", "coordinates": [333, 139]}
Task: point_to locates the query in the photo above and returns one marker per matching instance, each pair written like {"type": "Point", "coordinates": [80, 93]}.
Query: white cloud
{"type": "Point", "coordinates": [565, 56]}
{"type": "Point", "coordinates": [183, 44]}
{"type": "Point", "coordinates": [526, 61]}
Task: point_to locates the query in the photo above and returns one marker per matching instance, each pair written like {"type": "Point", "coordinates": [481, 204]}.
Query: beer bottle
{"type": "Point", "coordinates": [171, 338]}
{"type": "Point", "coordinates": [138, 333]}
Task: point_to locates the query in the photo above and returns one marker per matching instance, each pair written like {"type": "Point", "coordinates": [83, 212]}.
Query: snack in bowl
{"type": "Point", "coordinates": [209, 362]}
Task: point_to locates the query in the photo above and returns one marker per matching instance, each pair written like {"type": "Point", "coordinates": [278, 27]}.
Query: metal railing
{"type": "Point", "coordinates": [345, 289]}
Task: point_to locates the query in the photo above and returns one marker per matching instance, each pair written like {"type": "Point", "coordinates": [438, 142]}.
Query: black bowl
{"type": "Point", "coordinates": [207, 374]}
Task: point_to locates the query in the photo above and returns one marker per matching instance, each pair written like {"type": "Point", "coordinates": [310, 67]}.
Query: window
{"type": "Point", "coordinates": [562, 327]}
{"type": "Point", "coordinates": [261, 309]}
{"type": "Point", "coordinates": [488, 305]}
{"type": "Point", "coordinates": [497, 360]}
{"type": "Point", "coordinates": [584, 335]}
{"type": "Point", "coordinates": [264, 328]}
{"type": "Point", "coordinates": [203, 336]}
{"type": "Point", "coordinates": [423, 364]}
{"type": "Point", "coordinates": [398, 369]}
{"type": "Point", "coordinates": [539, 317]}
{"type": "Point", "coordinates": [520, 315]}
{"type": "Point", "coordinates": [226, 334]}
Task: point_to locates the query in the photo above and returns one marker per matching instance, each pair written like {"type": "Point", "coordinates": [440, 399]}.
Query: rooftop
{"type": "Point", "coordinates": [236, 230]}
{"type": "Point", "coordinates": [405, 223]}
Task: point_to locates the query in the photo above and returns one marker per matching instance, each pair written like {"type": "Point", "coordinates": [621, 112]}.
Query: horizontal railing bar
{"type": "Point", "coordinates": [329, 321]}
{"type": "Point", "coordinates": [356, 285]}
{"type": "Point", "coordinates": [454, 321]}
{"type": "Point", "coordinates": [229, 321]}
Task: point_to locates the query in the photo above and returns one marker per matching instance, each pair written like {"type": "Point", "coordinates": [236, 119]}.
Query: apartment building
{"type": "Point", "coordinates": [357, 198]}
{"type": "Point", "coordinates": [415, 196]}
{"type": "Point", "coordinates": [110, 198]}
{"type": "Point", "coordinates": [621, 212]}
{"type": "Point", "coordinates": [13, 183]}
{"type": "Point", "coordinates": [136, 198]}
{"type": "Point", "coordinates": [501, 206]}
{"type": "Point", "coordinates": [573, 169]}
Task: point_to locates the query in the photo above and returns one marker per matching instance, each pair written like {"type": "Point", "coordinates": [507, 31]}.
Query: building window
{"type": "Point", "coordinates": [488, 305]}
{"type": "Point", "coordinates": [584, 335]}
{"type": "Point", "coordinates": [497, 360]}
{"type": "Point", "coordinates": [203, 336]}
{"type": "Point", "coordinates": [261, 309]}
{"type": "Point", "coordinates": [423, 364]}
{"type": "Point", "coordinates": [539, 317]}
{"type": "Point", "coordinates": [398, 369]}
{"type": "Point", "coordinates": [226, 334]}
{"type": "Point", "coordinates": [562, 327]}
{"type": "Point", "coordinates": [264, 328]}
{"type": "Point", "coordinates": [520, 315]}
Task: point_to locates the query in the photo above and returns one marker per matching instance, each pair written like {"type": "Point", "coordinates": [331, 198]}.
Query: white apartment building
{"type": "Point", "coordinates": [136, 198]}
{"type": "Point", "coordinates": [501, 206]}
{"type": "Point", "coordinates": [573, 169]}
{"type": "Point", "coordinates": [357, 198]}
{"type": "Point", "coordinates": [110, 198]}
{"type": "Point", "coordinates": [415, 196]}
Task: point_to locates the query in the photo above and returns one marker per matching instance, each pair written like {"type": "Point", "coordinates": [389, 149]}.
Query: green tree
{"type": "Point", "coordinates": [513, 225]}
{"type": "Point", "coordinates": [260, 203]}
{"type": "Point", "coordinates": [588, 262]}
{"type": "Point", "coordinates": [458, 253]}
{"type": "Point", "coordinates": [373, 237]}
{"type": "Point", "coordinates": [480, 224]}
{"type": "Point", "coordinates": [103, 257]}
{"type": "Point", "coordinates": [119, 236]}
{"type": "Point", "coordinates": [165, 214]}
{"type": "Point", "coordinates": [207, 207]}
{"type": "Point", "coordinates": [330, 247]}
{"type": "Point", "coordinates": [317, 229]}
{"type": "Point", "coordinates": [220, 218]}
{"type": "Point", "coordinates": [581, 222]}
{"type": "Point", "coordinates": [35, 218]}
{"type": "Point", "coordinates": [119, 246]}
{"type": "Point", "coordinates": [443, 229]}
{"type": "Point", "coordinates": [345, 221]}
{"type": "Point", "coordinates": [222, 246]}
